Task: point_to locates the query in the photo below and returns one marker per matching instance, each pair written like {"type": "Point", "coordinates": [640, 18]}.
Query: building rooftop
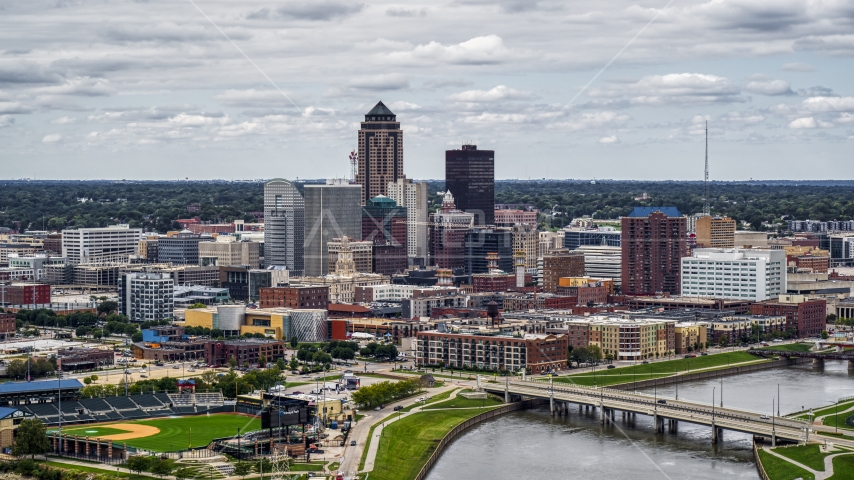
{"type": "Point", "coordinates": [640, 212]}
{"type": "Point", "coordinates": [38, 386]}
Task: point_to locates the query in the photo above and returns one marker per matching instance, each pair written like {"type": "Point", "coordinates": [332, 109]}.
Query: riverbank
{"type": "Point", "coordinates": [807, 462]}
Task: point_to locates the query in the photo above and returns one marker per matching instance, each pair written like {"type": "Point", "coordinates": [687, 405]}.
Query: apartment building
{"type": "Point", "coordinates": [227, 251]}
{"type": "Point", "coordinates": [754, 275]}
{"type": "Point", "coordinates": [146, 296]}
{"type": "Point", "coordinates": [715, 232]}
{"type": "Point", "coordinates": [534, 353]}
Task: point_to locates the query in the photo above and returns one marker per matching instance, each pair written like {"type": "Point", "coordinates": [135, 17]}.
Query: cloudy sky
{"type": "Point", "coordinates": [162, 89]}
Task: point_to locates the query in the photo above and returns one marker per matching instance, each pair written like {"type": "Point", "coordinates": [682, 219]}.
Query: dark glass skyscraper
{"type": "Point", "coordinates": [470, 177]}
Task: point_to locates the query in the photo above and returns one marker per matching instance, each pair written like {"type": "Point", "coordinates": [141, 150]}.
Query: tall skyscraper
{"type": "Point", "coordinates": [334, 210]}
{"type": "Point", "coordinates": [413, 196]}
{"type": "Point", "coordinates": [653, 242]}
{"type": "Point", "coordinates": [380, 152]}
{"type": "Point", "coordinates": [284, 226]}
{"type": "Point", "coordinates": [470, 175]}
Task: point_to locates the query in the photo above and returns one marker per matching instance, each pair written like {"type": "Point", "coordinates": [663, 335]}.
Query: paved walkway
{"type": "Point", "coordinates": [819, 475]}
{"type": "Point", "coordinates": [353, 454]}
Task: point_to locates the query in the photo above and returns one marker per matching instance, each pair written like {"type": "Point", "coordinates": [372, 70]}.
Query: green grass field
{"type": "Point", "coordinates": [613, 376]}
{"type": "Point", "coordinates": [90, 431]}
{"type": "Point", "coordinates": [107, 472]}
{"type": "Point", "coordinates": [779, 469]}
{"type": "Point", "coordinates": [175, 433]}
{"type": "Point", "coordinates": [790, 347]}
{"type": "Point", "coordinates": [828, 410]}
{"type": "Point", "coordinates": [809, 455]}
{"type": "Point", "coordinates": [843, 468]}
{"type": "Point", "coordinates": [409, 442]}
{"type": "Point", "coordinates": [462, 402]}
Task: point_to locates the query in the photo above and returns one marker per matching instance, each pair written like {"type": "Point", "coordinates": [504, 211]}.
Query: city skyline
{"type": "Point", "coordinates": [163, 91]}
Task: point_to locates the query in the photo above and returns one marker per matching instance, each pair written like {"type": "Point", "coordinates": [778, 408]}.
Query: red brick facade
{"type": "Point", "coordinates": [808, 318]}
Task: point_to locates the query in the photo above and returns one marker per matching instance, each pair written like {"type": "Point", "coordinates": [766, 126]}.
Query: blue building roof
{"type": "Point", "coordinates": [38, 386]}
{"type": "Point", "coordinates": [6, 411]}
{"type": "Point", "coordinates": [646, 211]}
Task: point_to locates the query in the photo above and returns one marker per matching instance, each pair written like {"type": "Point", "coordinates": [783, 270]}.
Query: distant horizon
{"type": "Point", "coordinates": [319, 179]}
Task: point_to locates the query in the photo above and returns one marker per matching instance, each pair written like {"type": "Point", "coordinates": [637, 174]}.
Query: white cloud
{"type": "Point", "coordinates": [743, 117]}
{"type": "Point", "coordinates": [484, 50]}
{"type": "Point", "coordinates": [797, 67]}
{"type": "Point", "coordinates": [674, 88]}
{"type": "Point", "coordinates": [85, 86]}
{"type": "Point", "coordinates": [592, 120]}
{"type": "Point", "coordinates": [52, 138]}
{"type": "Point", "coordinates": [255, 98]}
{"type": "Point", "coordinates": [609, 140]}
{"type": "Point", "coordinates": [63, 121]}
{"type": "Point", "coordinates": [829, 104]}
{"type": "Point", "coordinates": [6, 121]}
{"type": "Point", "coordinates": [805, 122]}
{"type": "Point", "coordinates": [496, 94]}
{"type": "Point", "coordinates": [185, 120]}
{"type": "Point", "coordinates": [769, 87]}
{"type": "Point", "coordinates": [391, 81]}
{"type": "Point", "coordinates": [14, 107]}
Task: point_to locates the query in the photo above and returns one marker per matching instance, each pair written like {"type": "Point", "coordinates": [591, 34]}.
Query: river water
{"type": "Point", "coordinates": [533, 445]}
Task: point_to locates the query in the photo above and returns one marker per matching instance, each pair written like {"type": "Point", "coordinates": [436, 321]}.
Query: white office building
{"type": "Point", "coordinates": [113, 244]}
{"type": "Point", "coordinates": [743, 274]}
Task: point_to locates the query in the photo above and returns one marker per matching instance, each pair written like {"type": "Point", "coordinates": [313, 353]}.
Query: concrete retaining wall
{"type": "Point", "coordinates": [462, 427]}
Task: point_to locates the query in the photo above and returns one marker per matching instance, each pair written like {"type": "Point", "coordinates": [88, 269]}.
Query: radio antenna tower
{"type": "Point", "coordinates": [706, 209]}
{"type": "Point", "coordinates": [354, 163]}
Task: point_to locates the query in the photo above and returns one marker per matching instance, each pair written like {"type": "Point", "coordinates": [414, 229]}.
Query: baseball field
{"type": "Point", "coordinates": [169, 433]}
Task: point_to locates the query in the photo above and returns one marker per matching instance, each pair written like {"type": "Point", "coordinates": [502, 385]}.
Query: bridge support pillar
{"type": "Point", "coordinates": [580, 408]}
{"type": "Point", "coordinates": [773, 439]}
{"type": "Point", "coordinates": [506, 394]}
{"type": "Point", "coordinates": [818, 363]}
{"type": "Point", "coordinates": [552, 404]}
{"type": "Point", "coordinates": [624, 415]}
{"type": "Point", "coordinates": [601, 413]}
{"type": "Point", "coordinates": [850, 366]}
{"type": "Point", "coordinates": [714, 434]}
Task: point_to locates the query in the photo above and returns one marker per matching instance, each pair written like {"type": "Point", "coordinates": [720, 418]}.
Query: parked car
{"type": "Point", "coordinates": [612, 366]}
{"type": "Point", "coordinates": [175, 367]}
{"type": "Point", "coordinates": [644, 362]}
{"type": "Point", "coordinates": [143, 376]}
{"type": "Point", "coordinates": [191, 369]}
{"type": "Point", "coordinates": [399, 407]}
{"type": "Point", "coordinates": [352, 443]}
{"type": "Point", "coordinates": [704, 353]}
{"type": "Point", "coordinates": [377, 409]}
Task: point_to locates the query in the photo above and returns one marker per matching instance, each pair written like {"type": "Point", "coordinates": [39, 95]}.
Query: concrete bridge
{"type": "Point", "coordinates": [818, 358]}
{"type": "Point", "coordinates": [661, 409]}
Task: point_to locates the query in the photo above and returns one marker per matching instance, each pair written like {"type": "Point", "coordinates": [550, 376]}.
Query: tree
{"type": "Point", "coordinates": [294, 342]}
{"type": "Point", "coordinates": [108, 306]}
{"type": "Point", "coordinates": [87, 381]}
{"type": "Point", "coordinates": [184, 473]}
{"type": "Point", "coordinates": [294, 363]}
{"type": "Point", "coordinates": [162, 467]}
{"type": "Point", "coordinates": [831, 318]}
{"type": "Point", "coordinates": [824, 335]}
{"type": "Point", "coordinates": [724, 341]}
{"type": "Point", "coordinates": [232, 362]}
{"type": "Point", "coordinates": [138, 464]}
{"type": "Point", "coordinates": [31, 439]}
{"type": "Point", "coordinates": [241, 469]}
{"type": "Point", "coordinates": [136, 337]}
{"type": "Point", "coordinates": [262, 360]}
{"type": "Point", "coordinates": [280, 363]}
{"type": "Point", "coordinates": [595, 352]}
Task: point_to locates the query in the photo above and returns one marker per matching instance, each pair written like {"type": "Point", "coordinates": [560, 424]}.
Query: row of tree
{"type": "Point", "coordinates": [379, 352]}
{"type": "Point", "coordinates": [38, 367]}
{"type": "Point", "coordinates": [384, 392]}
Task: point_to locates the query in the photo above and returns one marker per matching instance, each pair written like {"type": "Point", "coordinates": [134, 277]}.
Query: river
{"type": "Point", "coordinates": [533, 445]}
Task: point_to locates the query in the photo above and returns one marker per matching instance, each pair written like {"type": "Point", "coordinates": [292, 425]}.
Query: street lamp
{"type": "Point", "coordinates": [722, 392]}
{"type": "Point", "coordinates": [713, 408]}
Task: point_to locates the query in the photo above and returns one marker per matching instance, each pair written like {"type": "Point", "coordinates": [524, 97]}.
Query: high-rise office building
{"type": "Point", "coordinates": [334, 210]}
{"type": "Point", "coordinates": [750, 274]}
{"type": "Point", "coordinates": [413, 196]}
{"type": "Point", "coordinates": [284, 226]}
{"type": "Point", "coordinates": [470, 175]}
{"type": "Point", "coordinates": [654, 240]}
{"type": "Point", "coordinates": [380, 152]}
{"type": "Point", "coordinates": [483, 243]}
{"type": "Point", "coordinates": [100, 245]}
{"type": "Point", "coordinates": [181, 248]}
{"type": "Point", "coordinates": [715, 232]}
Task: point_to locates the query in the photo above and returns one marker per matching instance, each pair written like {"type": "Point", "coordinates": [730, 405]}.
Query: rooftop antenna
{"type": "Point", "coordinates": [354, 162]}
{"type": "Point", "coordinates": [706, 209]}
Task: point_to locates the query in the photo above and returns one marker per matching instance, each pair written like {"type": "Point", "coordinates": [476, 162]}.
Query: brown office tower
{"type": "Point", "coordinates": [558, 264]}
{"type": "Point", "coordinates": [715, 232]}
{"type": "Point", "coordinates": [380, 152]}
{"type": "Point", "coordinates": [470, 176]}
{"type": "Point", "coordinates": [653, 239]}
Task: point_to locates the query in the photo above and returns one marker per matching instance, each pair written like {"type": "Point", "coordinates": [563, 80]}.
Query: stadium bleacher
{"type": "Point", "coordinates": [121, 403]}
{"type": "Point", "coordinates": [95, 405]}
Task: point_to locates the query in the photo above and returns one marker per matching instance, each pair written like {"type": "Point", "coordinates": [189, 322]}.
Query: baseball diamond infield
{"type": "Point", "coordinates": [168, 433]}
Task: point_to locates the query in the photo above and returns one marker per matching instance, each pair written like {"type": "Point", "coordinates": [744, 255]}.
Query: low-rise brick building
{"type": "Point", "coordinates": [304, 296]}
{"type": "Point", "coordinates": [8, 326]}
{"type": "Point", "coordinates": [244, 351]}
{"type": "Point", "coordinates": [808, 317]}
{"type": "Point", "coordinates": [76, 358]}
{"type": "Point", "coordinates": [534, 353]}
